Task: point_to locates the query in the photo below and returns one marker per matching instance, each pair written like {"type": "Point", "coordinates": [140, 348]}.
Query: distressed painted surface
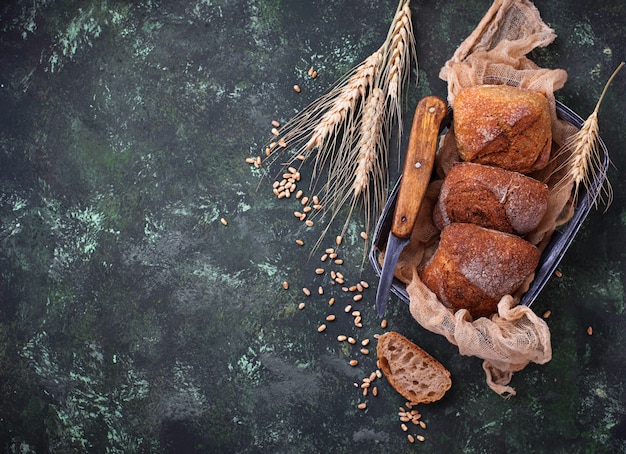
{"type": "Point", "coordinates": [133, 320]}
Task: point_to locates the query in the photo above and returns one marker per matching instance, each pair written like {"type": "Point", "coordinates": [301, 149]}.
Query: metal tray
{"type": "Point", "coordinates": [554, 251]}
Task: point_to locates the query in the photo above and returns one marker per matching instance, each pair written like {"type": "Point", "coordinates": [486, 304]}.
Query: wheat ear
{"type": "Point", "coordinates": [367, 173]}
{"type": "Point", "coordinates": [401, 52]}
{"type": "Point", "coordinates": [584, 161]}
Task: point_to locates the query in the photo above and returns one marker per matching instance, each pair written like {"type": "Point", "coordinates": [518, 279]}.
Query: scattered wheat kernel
{"type": "Point", "coordinates": [590, 330]}
{"type": "Point", "coordinates": [301, 306]}
{"type": "Point", "coordinates": [321, 328]}
{"type": "Point", "coordinates": [307, 209]}
{"type": "Point", "coordinates": [405, 418]}
{"type": "Point", "coordinates": [365, 391]}
{"type": "Point", "coordinates": [340, 280]}
{"type": "Point", "coordinates": [317, 206]}
{"type": "Point", "coordinates": [340, 275]}
{"type": "Point", "coordinates": [299, 194]}
{"type": "Point", "coordinates": [356, 313]}
{"type": "Point", "coordinates": [351, 340]}
{"type": "Point", "coordinates": [273, 145]}
{"type": "Point", "coordinates": [275, 131]}
{"type": "Point", "coordinates": [362, 406]}
{"type": "Point", "coordinates": [330, 318]}
{"type": "Point", "coordinates": [411, 438]}
{"type": "Point", "coordinates": [348, 308]}
{"type": "Point", "coordinates": [305, 200]}
{"type": "Point", "coordinates": [359, 325]}
{"type": "Point", "coordinates": [316, 199]}
{"type": "Point", "coordinates": [353, 362]}
{"type": "Point", "coordinates": [300, 157]}
{"type": "Point", "coordinates": [320, 290]}
{"type": "Point", "coordinates": [339, 262]}
{"type": "Point", "coordinates": [329, 250]}
{"type": "Point", "coordinates": [557, 273]}
{"type": "Point", "coordinates": [324, 257]}
{"type": "Point", "coordinates": [358, 297]}
{"type": "Point", "coordinates": [404, 427]}
{"type": "Point", "coordinates": [379, 374]}
{"type": "Point", "coordinates": [309, 223]}
{"type": "Point", "coordinates": [250, 160]}
{"type": "Point", "coordinates": [372, 376]}
{"type": "Point", "coordinates": [375, 391]}
{"type": "Point", "coordinates": [547, 314]}
{"type": "Point", "coordinates": [286, 285]}
{"type": "Point", "coordinates": [365, 384]}
{"type": "Point", "coordinates": [422, 424]}
{"type": "Point", "coordinates": [224, 221]}
{"type": "Point", "coordinates": [365, 342]}
{"type": "Point", "coordinates": [267, 152]}
{"type": "Point", "coordinates": [359, 287]}
{"type": "Point", "coordinates": [300, 242]}
{"type": "Point", "coordinates": [357, 320]}
{"type": "Point", "coordinates": [296, 88]}
{"type": "Point", "coordinates": [341, 338]}
{"type": "Point", "coordinates": [332, 255]}
{"type": "Point", "coordinates": [331, 301]}
{"type": "Point", "coordinates": [421, 437]}
{"type": "Point", "coordinates": [365, 351]}
{"type": "Point", "coordinates": [297, 214]}
{"type": "Point", "coordinates": [306, 291]}
{"type": "Point", "coordinates": [319, 271]}
{"type": "Point", "coordinates": [364, 284]}
{"type": "Point", "coordinates": [363, 235]}
{"type": "Point", "coordinates": [383, 324]}
{"type": "Point", "coordinates": [282, 143]}
{"type": "Point", "coordinates": [275, 123]}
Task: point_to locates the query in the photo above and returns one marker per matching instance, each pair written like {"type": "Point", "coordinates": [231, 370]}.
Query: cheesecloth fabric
{"type": "Point", "coordinates": [495, 53]}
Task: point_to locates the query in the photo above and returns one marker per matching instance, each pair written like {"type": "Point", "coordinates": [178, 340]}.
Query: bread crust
{"type": "Point", "coordinates": [473, 267]}
{"type": "Point", "coordinates": [490, 197]}
{"type": "Point", "coordinates": [415, 374]}
{"type": "Point", "coordinates": [503, 126]}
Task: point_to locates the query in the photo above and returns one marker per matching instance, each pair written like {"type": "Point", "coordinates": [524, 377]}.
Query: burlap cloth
{"type": "Point", "coordinates": [495, 53]}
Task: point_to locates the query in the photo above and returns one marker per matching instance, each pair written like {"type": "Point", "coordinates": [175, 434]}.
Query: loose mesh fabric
{"type": "Point", "coordinates": [495, 53]}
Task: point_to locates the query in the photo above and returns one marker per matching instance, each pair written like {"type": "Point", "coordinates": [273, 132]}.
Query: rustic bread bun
{"type": "Point", "coordinates": [474, 267]}
{"type": "Point", "coordinates": [491, 197]}
{"type": "Point", "coordinates": [503, 126]}
{"type": "Point", "coordinates": [416, 375]}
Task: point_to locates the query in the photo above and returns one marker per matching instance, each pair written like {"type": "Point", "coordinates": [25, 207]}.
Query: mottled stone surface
{"type": "Point", "coordinates": [133, 320]}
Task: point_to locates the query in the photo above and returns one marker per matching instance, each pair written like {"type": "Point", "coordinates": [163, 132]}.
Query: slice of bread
{"type": "Point", "coordinates": [416, 375]}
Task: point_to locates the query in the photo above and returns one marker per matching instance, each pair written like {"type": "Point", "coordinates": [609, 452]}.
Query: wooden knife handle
{"type": "Point", "coordinates": [418, 163]}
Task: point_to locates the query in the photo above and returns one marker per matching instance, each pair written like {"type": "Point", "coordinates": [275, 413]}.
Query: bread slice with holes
{"type": "Point", "coordinates": [416, 375]}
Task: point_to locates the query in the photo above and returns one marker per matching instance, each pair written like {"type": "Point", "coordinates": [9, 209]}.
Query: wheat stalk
{"type": "Point", "coordinates": [583, 160]}
{"type": "Point", "coordinates": [347, 129]}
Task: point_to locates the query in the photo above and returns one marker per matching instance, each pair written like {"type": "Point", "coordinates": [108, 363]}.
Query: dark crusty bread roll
{"type": "Point", "coordinates": [503, 126]}
{"type": "Point", "coordinates": [491, 197]}
{"type": "Point", "coordinates": [474, 267]}
{"type": "Point", "coordinates": [416, 375]}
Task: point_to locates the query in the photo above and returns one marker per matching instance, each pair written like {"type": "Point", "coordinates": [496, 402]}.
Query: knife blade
{"type": "Point", "coordinates": [416, 173]}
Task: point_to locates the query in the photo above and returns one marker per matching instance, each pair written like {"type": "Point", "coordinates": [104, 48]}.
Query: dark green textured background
{"type": "Point", "coordinates": [132, 320]}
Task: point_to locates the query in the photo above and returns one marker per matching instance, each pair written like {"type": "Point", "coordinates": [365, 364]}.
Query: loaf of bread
{"type": "Point", "coordinates": [503, 126]}
{"type": "Point", "coordinates": [416, 375]}
{"type": "Point", "coordinates": [473, 267]}
{"type": "Point", "coordinates": [491, 197]}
